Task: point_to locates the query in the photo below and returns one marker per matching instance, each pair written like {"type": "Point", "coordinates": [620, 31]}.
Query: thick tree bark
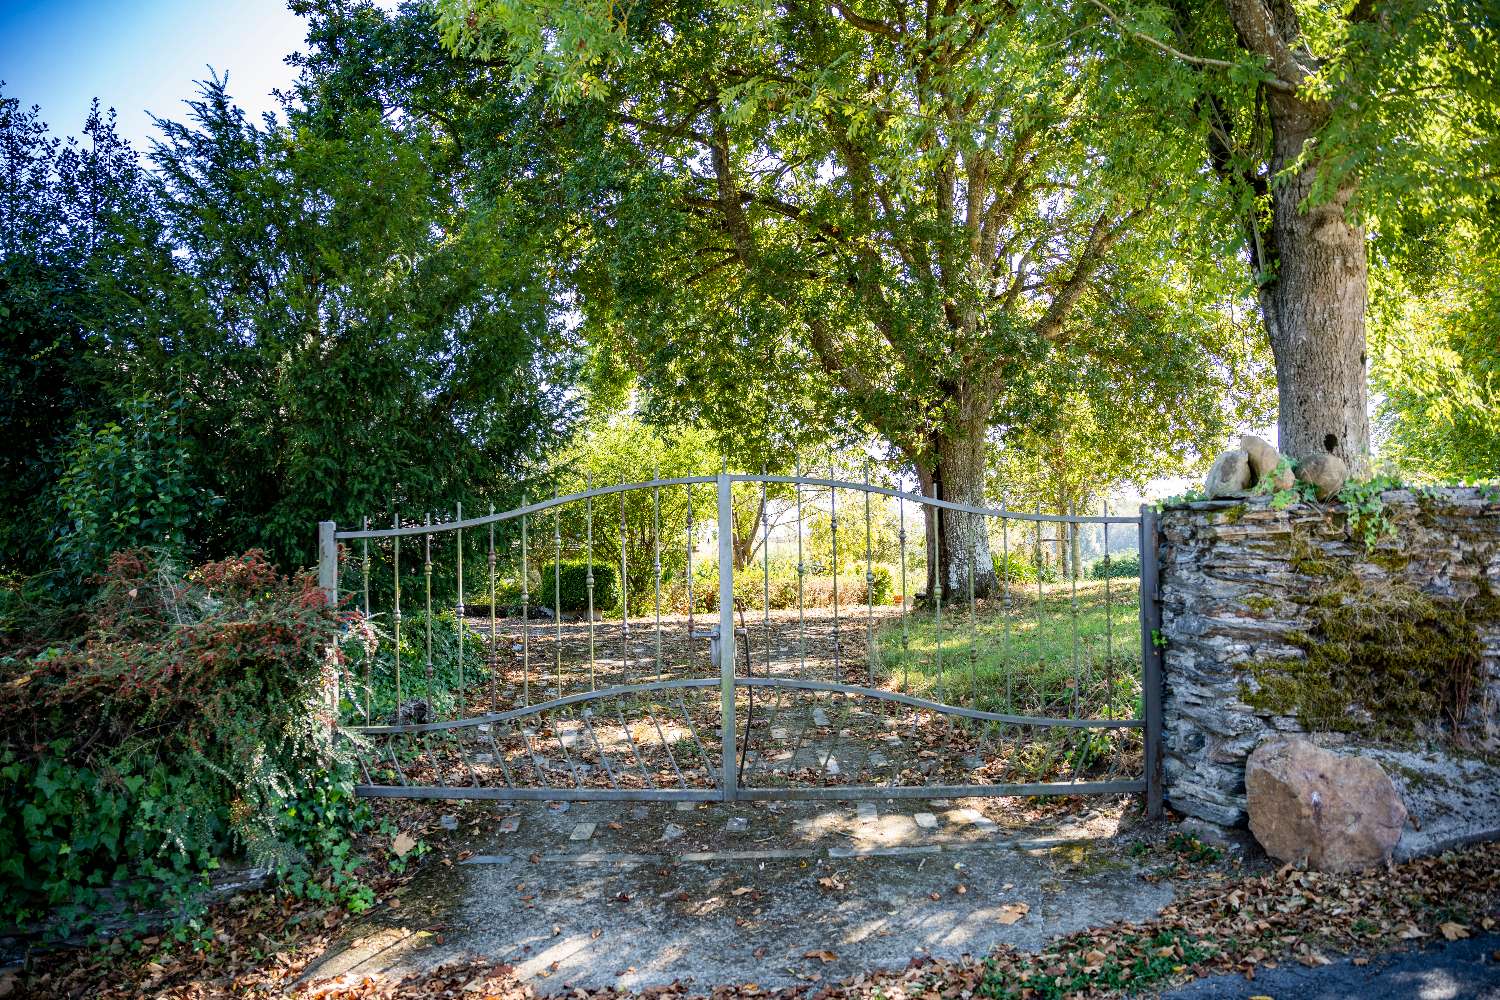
{"type": "Point", "coordinates": [1310, 261]}
{"type": "Point", "coordinates": [955, 472]}
{"type": "Point", "coordinates": [1314, 307]}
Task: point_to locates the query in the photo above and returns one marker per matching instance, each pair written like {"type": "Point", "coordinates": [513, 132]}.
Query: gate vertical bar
{"type": "Point", "coordinates": [328, 581]}
{"type": "Point", "coordinates": [726, 637]}
{"type": "Point", "coordinates": [1151, 660]}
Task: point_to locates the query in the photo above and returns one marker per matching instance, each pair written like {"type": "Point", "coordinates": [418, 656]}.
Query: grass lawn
{"type": "Point", "coordinates": [1065, 652]}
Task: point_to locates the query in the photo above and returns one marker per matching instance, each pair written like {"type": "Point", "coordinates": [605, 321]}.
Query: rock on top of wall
{"type": "Point", "coordinates": [1243, 586]}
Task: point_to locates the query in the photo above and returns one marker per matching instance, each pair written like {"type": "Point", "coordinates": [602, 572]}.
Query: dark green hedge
{"type": "Point", "coordinates": [571, 577]}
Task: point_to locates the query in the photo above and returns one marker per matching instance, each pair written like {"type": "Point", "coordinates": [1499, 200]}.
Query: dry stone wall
{"type": "Point", "coordinates": [1404, 636]}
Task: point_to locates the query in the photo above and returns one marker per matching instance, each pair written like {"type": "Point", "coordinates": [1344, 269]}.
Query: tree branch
{"type": "Point", "coordinates": [1275, 83]}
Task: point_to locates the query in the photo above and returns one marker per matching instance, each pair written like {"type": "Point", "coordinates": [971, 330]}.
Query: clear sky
{"type": "Point", "coordinates": [141, 57]}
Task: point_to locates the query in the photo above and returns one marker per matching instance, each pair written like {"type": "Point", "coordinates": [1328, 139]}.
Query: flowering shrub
{"type": "Point", "coordinates": [188, 723]}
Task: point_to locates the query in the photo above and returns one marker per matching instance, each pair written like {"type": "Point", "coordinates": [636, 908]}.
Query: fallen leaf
{"type": "Point", "coordinates": [1011, 912]}
{"type": "Point", "coordinates": [1453, 931]}
{"type": "Point", "coordinates": [742, 890]}
{"type": "Point", "coordinates": [403, 844]}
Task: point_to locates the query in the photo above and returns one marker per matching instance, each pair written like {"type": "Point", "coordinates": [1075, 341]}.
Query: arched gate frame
{"type": "Point", "coordinates": [701, 728]}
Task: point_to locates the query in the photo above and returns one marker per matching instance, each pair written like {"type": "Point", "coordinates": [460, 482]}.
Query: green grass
{"type": "Point", "coordinates": [1038, 657]}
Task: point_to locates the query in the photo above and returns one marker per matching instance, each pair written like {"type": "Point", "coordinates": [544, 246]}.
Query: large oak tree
{"type": "Point", "coordinates": [1330, 125]}
{"type": "Point", "coordinates": [887, 213]}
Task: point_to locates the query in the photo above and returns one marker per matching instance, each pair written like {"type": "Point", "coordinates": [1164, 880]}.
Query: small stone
{"type": "Point", "coordinates": [866, 812]}
{"type": "Point", "coordinates": [448, 822]}
{"type": "Point", "coordinates": [672, 832]}
{"type": "Point", "coordinates": [639, 812]}
{"type": "Point", "coordinates": [557, 806]}
{"type": "Point", "coordinates": [927, 821]}
{"type": "Point", "coordinates": [685, 806]}
{"type": "Point", "coordinates": [1326, 472]}
{"type": "Point", "coordinates": [510, 824]}
{"type": "Point", "coordinates": [940, 803]}
{"type": "Point", "coordinates": [1230, 475]}
{"type": "Point", "coordinates": [582, 831]}
{"type": "Point", "coordinates": [1263, 457]}
{"type": "Point", "coordinates": [1335, 812]}
{"type": "Point", "coordinates": [778, 733]}
{"type": "Point", "coordinates": [737, 824]}
{"type": "Point", "coordinates": [831, 765]}
{"type": "Point", "coordinates": [820, 717]}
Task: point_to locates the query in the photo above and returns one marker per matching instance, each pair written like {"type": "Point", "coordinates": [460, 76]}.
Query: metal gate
{"type": "Point", "coordinates": [822, 697]}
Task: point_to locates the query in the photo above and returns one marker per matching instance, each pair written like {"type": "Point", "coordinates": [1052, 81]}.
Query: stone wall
{"type": "Point", "coordinates": [1243, 588]}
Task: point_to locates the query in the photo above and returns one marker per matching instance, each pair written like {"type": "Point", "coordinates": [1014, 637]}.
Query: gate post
{"type": "Point", "coordinates": [328, 582]}
{"type": "Point", "coordinates": [727, 731]}
{"type": "Point", "coordinates": [1151, 659]}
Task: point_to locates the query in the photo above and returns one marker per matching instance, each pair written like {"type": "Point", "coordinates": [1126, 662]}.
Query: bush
{"type": "Point", "coordinates": [1020, 568]}
{"type": "Point", "coordinates": [1116, 566]}
{"type": "Point", "coordinates": [375, 688]}
{"type": "Point", "coordinates": [572, 576]}
{"type": "Point", "coordinates": [124, 485]}
{"type": "Point", "coordinates": [185, 725]}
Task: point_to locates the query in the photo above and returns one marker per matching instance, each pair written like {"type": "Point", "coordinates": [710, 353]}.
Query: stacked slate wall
{"type": "Point", "coordinates": [1251, 595]}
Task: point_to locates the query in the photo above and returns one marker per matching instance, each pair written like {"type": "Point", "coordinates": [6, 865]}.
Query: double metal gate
{"type": "Point", "coordinates": [740, 702]}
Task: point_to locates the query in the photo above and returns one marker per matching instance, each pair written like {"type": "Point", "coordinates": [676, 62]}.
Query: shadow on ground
{"type": "Point", "coordinates": [600, 894]}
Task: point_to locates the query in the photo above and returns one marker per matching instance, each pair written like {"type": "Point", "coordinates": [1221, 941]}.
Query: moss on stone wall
{"type": "Point", "coordinates": [1259, 604]}
{"type": "Point", "coordinates": [1382, 659]}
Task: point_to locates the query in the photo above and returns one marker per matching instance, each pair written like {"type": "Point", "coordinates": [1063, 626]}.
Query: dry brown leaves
{"type": "Point", "coordinates": [264, 942]}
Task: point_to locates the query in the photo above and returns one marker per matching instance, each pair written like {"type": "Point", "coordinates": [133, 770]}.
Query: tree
{"type": "Point", "coordinates": [869, 215]}
{"type": "Point", "coordinates": [1435, 352]}
{"type": "Point", "coordinates": [312, 300]}
{"type": "Point", "coordinates": [60, 201]}
{"type": "Point", "coordinates": [1323, 122]}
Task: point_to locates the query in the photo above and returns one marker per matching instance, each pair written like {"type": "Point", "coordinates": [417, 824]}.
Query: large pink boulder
{"type": "Point", "coordinates": [1335, 812]}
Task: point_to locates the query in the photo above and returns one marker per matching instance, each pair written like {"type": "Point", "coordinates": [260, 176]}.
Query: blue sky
{"type": "Point", "coordinates": [141, 57]}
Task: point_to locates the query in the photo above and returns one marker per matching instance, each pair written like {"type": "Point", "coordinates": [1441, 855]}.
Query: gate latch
{"type": "Point", "coordinates": [713, 637]}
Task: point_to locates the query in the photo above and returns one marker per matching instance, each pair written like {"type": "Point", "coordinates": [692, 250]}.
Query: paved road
{"type": "Point", "coordinates": [1463, 970]}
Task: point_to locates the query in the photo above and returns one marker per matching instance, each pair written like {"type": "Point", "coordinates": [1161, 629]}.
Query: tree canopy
{"type": "Point", "coordinates": [872, 217]}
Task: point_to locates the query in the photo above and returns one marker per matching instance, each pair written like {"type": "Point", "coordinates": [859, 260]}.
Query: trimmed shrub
{"type": "Point", "coordinates": [571, 576]}
{"type": "Point", "coordinates": [1116, 566]}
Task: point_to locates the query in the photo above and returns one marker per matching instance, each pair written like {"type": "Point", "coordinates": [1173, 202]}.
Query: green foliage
{"type": "Point", "coordinates": [1364, 509]}
{"type": "Point", "coordinates": [570, 580]}
{"type": "Point", "coordinates": [1140, 962]}
{"type": "Point", "coordinates": [1026, 653]}
{"type": "Point", "coordinates": [1193, 849]}
{"type": "Point", "coordinates": [329, 327]}
{"type": "Point", "coordinates": [1115, 567]}
{"type": "Point", "coordinates": [371, 666]}
{"type": "Point", "coordinates": [62, 205]}
{"type": "Point", "coordinates": [787, 224]}
{"type": "Point", "coordinates": [883, 544]}
{"type": "Point", "coordinates": [185, 730]}
{"type": "Point", "coordinates": [126, 486]}
{"type": "Point", "coordinates": [1434, 327]}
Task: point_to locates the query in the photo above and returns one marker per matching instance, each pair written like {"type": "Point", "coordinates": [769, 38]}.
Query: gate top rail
{"type": "Point", "coordinates": [599, 491]}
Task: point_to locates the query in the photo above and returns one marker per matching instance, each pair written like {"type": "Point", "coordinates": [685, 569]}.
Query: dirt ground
{"type": "Point", "coordinates": [631, 896]}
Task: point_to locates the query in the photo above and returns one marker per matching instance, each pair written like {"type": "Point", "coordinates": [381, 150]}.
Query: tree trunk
{"type": "Point", "coordinates": [1077, 559]}
{"type": "Point", "coordinates": [744, 540]}
{"type": "Point", "coordinates": [1310, 263]}
{"type": "Point", "coordinates": [961, 539]}
{"type": "Point", "coordinates": [1314, 308]}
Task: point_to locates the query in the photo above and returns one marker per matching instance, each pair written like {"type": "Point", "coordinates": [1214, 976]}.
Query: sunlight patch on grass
{"type": "Point", "coordinates": [1069, 653]}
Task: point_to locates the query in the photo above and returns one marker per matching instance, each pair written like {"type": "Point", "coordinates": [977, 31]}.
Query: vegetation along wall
{"type": "Point", "coordinates": [1373, 625]}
